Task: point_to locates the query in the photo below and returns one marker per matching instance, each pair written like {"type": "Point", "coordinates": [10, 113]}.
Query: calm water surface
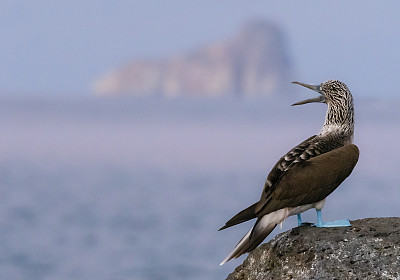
{"type": "Point", "coordinates": [135, 189]}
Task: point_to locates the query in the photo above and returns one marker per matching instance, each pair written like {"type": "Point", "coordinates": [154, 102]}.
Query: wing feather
{"type": "Point", "coordinates": [308, 149]}
{"type": "Point", "coordinates": [311, 181]}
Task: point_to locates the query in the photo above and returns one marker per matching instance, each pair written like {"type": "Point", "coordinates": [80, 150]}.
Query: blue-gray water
{"type": "Point", "coordinates": [136, 189]}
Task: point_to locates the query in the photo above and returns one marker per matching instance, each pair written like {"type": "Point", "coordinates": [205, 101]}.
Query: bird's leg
{"type": "Point", "coordinates": [301, 223]}
{"type": "Point", "coordinates": [299, 220]}
{"type": "Point", "coordinates": [341, 223]}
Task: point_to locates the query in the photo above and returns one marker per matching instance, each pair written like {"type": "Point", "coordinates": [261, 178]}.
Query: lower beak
{"type": "Point", "coordinates": [317, 88]}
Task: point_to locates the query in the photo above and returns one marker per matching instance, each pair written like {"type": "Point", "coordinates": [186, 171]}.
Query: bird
{"type": "Point", "coordinates": [308, 173]}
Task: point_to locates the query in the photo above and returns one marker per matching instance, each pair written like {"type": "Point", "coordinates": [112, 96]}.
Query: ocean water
{"type": "Point", "coordinates": [136, 189]}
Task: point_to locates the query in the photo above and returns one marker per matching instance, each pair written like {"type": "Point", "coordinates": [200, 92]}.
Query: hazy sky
{"type": "Point", "coordinates": [60, 47]}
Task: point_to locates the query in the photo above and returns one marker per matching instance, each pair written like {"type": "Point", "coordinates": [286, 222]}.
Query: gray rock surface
{"type": "Point", "coordinates": [370, 249]}
{"type": "Point", "coordinates": [254, 62]}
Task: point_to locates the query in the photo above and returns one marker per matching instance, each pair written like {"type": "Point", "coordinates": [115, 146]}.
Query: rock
{"type": "Point", "coordinates": [370, 249]}
{"type": "Point", "coordinates": [255, 62]}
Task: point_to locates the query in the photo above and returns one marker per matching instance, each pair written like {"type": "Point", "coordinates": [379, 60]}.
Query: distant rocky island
{"type": "Point", "coordinates": [254, 62]}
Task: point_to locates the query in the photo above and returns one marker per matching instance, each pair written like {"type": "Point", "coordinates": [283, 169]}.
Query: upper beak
{"type": "Point", "coordinates": [317, 88]}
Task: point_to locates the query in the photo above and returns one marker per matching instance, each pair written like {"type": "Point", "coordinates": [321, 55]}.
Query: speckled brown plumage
{"type": "Point", "coordinates": [309, 172]}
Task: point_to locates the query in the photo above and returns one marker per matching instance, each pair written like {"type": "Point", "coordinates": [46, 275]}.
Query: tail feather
{"type": "Point", "coordinates": [255, 236]}
{"type": "Point", "coordinates": [243, 216]}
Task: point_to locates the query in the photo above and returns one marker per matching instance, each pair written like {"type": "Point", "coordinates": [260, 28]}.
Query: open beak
{"type": "Point", "coordinates": [317, 88]}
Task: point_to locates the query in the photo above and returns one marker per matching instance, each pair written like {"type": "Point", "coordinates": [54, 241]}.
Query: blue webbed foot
{"type": "Point", "coordinates": [341, 223]}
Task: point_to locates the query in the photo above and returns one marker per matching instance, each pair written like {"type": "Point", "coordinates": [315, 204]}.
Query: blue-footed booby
{"type": "Point", "coordinates": [308, 173]}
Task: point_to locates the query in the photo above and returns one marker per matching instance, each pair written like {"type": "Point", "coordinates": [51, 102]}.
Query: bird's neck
{"type": "Point", "coordinates": [339, 121]}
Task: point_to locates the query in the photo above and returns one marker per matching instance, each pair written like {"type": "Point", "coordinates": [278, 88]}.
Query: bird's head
{"type": "Point", "coordinates": [332, 92]}
{"type": "Point", "coordinates": [340, 113]}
